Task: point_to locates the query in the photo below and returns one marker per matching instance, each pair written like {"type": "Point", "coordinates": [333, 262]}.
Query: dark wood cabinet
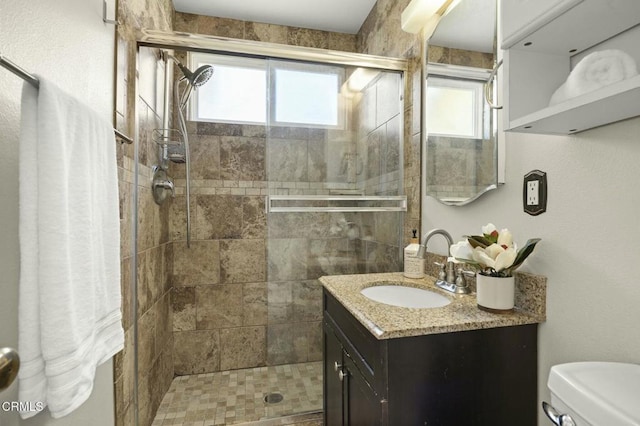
{"type": "Point", "coordinates": [349, 399]}
{"type": "Point", "coordinates": [466, 378]}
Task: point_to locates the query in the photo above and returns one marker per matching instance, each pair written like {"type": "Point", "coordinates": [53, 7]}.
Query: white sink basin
{"type": "Point", "coordinates": [406, 297]}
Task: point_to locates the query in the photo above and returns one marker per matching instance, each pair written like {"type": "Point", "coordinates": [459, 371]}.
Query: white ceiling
{"type": "Point", "coordinates": [344, 16]}
{"type": "Point", "coordinates": [469, 26]}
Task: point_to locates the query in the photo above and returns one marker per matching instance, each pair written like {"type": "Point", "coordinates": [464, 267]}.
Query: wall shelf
{"type": "Point", "coordinates": [550, 38]}
{"type": "Point", "coordinates": [600, 107]}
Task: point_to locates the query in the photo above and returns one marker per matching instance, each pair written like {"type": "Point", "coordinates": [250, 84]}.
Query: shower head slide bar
{"type": "Point", "coordinates": [6, 63]}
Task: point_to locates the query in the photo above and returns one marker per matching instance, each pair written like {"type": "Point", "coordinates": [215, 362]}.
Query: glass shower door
{"type": "Point", "coordinates": [335, 205]}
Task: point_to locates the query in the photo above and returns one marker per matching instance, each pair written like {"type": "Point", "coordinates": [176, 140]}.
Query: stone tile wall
{"type": "Point", "coordinates": [458, 167]}
{"type": "Point", "coordinates": [226, 313]}
{"type": "Point", "coordinates": [220, 289]}
{"type": "Point", "coordinates": [256, 31]}
{"type": "Point", "coordinates": [245, 295]}
{"type": "Point", "coordinates": [152, 312]}
{"type": "Point", "coordinates": [381, 34]}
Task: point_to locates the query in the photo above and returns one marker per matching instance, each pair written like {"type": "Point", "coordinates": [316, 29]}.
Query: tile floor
{"type": "Point", "coordinates": [237, 397]}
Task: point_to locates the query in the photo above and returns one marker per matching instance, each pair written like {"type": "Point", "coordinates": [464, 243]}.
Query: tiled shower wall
{"type": "Point", "coordinates": [245, 295]}
{"type": "Point", "coordinates": [226, 315]}
{"type": "Point", "coordinates": [230, 266]}
{"type": "Point", "coordinates": [153, 316]}
{"type": "Point", "coordinates": [379, 132]}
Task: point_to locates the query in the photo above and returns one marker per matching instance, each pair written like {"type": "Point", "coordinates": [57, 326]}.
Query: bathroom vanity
{"type": "Point", "coordinates": [452, 365]}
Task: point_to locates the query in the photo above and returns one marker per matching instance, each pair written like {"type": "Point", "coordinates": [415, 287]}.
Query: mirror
{"type": "Point", "coordinates": [460, 133]}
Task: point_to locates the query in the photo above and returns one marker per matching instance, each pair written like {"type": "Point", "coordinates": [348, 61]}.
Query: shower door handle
{"type": "Point", "coordinates": [9, 366]}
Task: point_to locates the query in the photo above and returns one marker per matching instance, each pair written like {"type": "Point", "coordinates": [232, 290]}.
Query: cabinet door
{"type": "Point", "coordinates": [362, 406]}
{"type": "Point", "coordinates": [333, 401]}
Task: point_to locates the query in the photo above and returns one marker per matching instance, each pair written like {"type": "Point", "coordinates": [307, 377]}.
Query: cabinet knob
{"type": "Point", "coordinates": [342, 375]}
{"type": "Point", "coordinates": [336, 366]}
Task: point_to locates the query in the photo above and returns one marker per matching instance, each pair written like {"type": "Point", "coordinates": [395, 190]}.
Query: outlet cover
{"type": "Point", "coordinates": [534, 192]}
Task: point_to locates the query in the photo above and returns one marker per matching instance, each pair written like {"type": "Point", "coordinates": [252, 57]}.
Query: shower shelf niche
{"type": "Point", "coordinates": [540, 51]}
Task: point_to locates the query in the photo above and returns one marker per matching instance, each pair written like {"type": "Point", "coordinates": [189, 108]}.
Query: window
{"type": "Point", "coordinates": [454, 107]}
{"type": "Point", "coordinates": [301, 94]}
{"type": "Point", "coordinates": [236, 93]}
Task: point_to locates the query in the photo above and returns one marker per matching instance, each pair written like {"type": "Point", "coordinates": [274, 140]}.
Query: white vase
{"type": "Point", "coordinates": [495, 294]}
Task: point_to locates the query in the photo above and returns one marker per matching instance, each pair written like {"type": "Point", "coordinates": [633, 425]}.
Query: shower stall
{"type": "Point", "coordinates": [295, 171]}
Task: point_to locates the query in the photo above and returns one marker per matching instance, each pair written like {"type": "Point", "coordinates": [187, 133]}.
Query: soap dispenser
{"type": "Point", "coordinates": [413, 264]}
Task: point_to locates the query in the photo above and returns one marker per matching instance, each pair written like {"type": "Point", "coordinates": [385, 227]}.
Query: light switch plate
{"type": "Point", "coordinates": [534, 192]}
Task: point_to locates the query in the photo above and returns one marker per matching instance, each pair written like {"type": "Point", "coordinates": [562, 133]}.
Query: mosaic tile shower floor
{"type": "Point", "coordinates": [237, 397]}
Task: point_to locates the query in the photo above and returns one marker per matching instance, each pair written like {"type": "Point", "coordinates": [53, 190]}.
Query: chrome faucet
{"type": "Point", "coordinates": [448, 278]}
{"type": "Point", "coordinates": [427, 237]}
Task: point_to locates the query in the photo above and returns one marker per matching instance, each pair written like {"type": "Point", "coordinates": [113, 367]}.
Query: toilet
{"type": "Point", "coordinates": [594, 394]}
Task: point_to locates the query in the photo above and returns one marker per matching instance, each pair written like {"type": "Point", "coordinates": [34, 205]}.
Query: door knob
{"type": "Point", "coordinates": [342, 375]}
{"type": "Point", "coordinates": [9, 366]}
{"type": "Point", "coordinates": [336, 366]}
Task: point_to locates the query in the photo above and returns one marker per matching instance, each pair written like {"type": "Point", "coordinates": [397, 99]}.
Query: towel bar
{"type": "Point", "coordinates": [6, 63]}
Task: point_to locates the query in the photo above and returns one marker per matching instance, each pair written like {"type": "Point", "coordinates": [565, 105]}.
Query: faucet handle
{"type": "Point", "coordinates": [442, 275]}
{"type": "Point", "coordinates": [461, 283]}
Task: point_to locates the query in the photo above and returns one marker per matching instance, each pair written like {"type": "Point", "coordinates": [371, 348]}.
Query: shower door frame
{"type": "Point", "coordinates": [173, 40]}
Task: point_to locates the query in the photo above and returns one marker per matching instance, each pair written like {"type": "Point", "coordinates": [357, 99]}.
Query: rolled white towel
{"type": "Point", "coordinates": [594, 71]}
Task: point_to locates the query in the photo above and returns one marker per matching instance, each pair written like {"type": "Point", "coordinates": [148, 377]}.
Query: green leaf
{"type": "Point", "coordinates": [478, 241]}
{"type": "Point", "coordinates": [523, 253]}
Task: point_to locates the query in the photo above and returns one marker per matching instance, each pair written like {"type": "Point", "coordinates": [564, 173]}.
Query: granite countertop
{"type": "Point", "coordinates": [387, 322]}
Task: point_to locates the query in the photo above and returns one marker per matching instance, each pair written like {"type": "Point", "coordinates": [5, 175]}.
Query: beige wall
{"type": "Point", "coordinates": [50, 39]}
{"type": "Point", "coordinates": [589, 235]}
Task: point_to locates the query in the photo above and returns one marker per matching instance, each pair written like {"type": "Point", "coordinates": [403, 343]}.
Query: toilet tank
{"type": "Point", "coordinates": [597, 393]}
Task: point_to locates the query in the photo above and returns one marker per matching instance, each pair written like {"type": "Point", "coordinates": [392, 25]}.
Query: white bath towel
{"type": "Point", "coordinates": [69, 308]}
{"type": "Point", "coordinates": [594, 71]}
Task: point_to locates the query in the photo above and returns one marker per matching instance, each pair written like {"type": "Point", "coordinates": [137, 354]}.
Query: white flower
{"type": "Point", "coordinates": [493, 252]}
{"type": "Point", "coordinates": [461, 250]}
{"type": "Point", "coordinates": [489, 228]}
{"type": "Point", "coordinates": [505, 259]}
{"type": "Point", "coordinates": [505, 239]}
{"type": "Point", "coordinates": [480, 256]}
{"type": "Point", "coordinates": [495, 256]}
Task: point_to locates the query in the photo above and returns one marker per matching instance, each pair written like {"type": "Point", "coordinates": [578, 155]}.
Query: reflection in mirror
{"type": "Point", "coordinates": [460, 129]}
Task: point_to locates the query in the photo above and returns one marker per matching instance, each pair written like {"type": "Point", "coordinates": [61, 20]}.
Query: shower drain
{"type": "Point", "coordinates": [273, 398]}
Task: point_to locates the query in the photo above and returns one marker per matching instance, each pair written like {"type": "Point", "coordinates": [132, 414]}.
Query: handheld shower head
{"type": "Point", "coordinates": [196, 78]}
